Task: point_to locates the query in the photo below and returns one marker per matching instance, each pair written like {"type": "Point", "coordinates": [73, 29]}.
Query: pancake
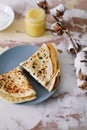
{"type": "Point", "coordinates": [12, 99]}
{"type": "Point", "coordinates": [15, 86]}
{"type": "Point", "coordinates": [44, 67]}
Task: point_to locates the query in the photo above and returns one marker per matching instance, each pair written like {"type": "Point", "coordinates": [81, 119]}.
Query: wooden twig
{"type": "Point", "coordinates": [69, 35]}
{"type": "Point", "coordinates": [44, 5]}
{"type": "Point", "coordinates": [50, 30]}
{"type": "Point", "coordinates": [55, 18]}
{"type": "Point", "coordinates": [47, 9]}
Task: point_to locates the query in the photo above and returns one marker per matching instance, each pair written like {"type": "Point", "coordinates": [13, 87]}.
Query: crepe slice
{"type": "Point", "coordinates": [44, 67]}
{"type": "Point", "coordinates": [15, 87]}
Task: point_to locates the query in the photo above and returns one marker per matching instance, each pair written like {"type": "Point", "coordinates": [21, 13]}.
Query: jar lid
{"type": "Point", "coordinates": [35, 15]}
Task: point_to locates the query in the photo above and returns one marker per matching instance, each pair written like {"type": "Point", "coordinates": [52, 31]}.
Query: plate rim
{"type": "Point", "coordinates": [12, 16]}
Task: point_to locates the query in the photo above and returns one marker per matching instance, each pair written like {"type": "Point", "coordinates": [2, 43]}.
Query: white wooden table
{"type": "Point", "coordinates": [67, 108]}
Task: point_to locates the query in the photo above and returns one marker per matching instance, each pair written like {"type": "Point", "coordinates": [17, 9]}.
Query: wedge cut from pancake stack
{"type": "Point", "coordinates": [44, 67]}
{"type": "Point", "coordinates": [15, 87]}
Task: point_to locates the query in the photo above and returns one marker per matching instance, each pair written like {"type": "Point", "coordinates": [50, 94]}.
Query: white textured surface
{"type": "Point", "coordinates": [67, 108]}
{"type": "Point", "coordinates": [3, 49]}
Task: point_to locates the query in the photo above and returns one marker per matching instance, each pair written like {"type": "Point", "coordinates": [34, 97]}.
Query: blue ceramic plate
{"type": "Point", "coordinates": [11, 59]}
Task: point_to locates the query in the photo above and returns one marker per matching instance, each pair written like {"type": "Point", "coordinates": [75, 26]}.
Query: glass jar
{"type": "Point", "coordinates": [35, 22]}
